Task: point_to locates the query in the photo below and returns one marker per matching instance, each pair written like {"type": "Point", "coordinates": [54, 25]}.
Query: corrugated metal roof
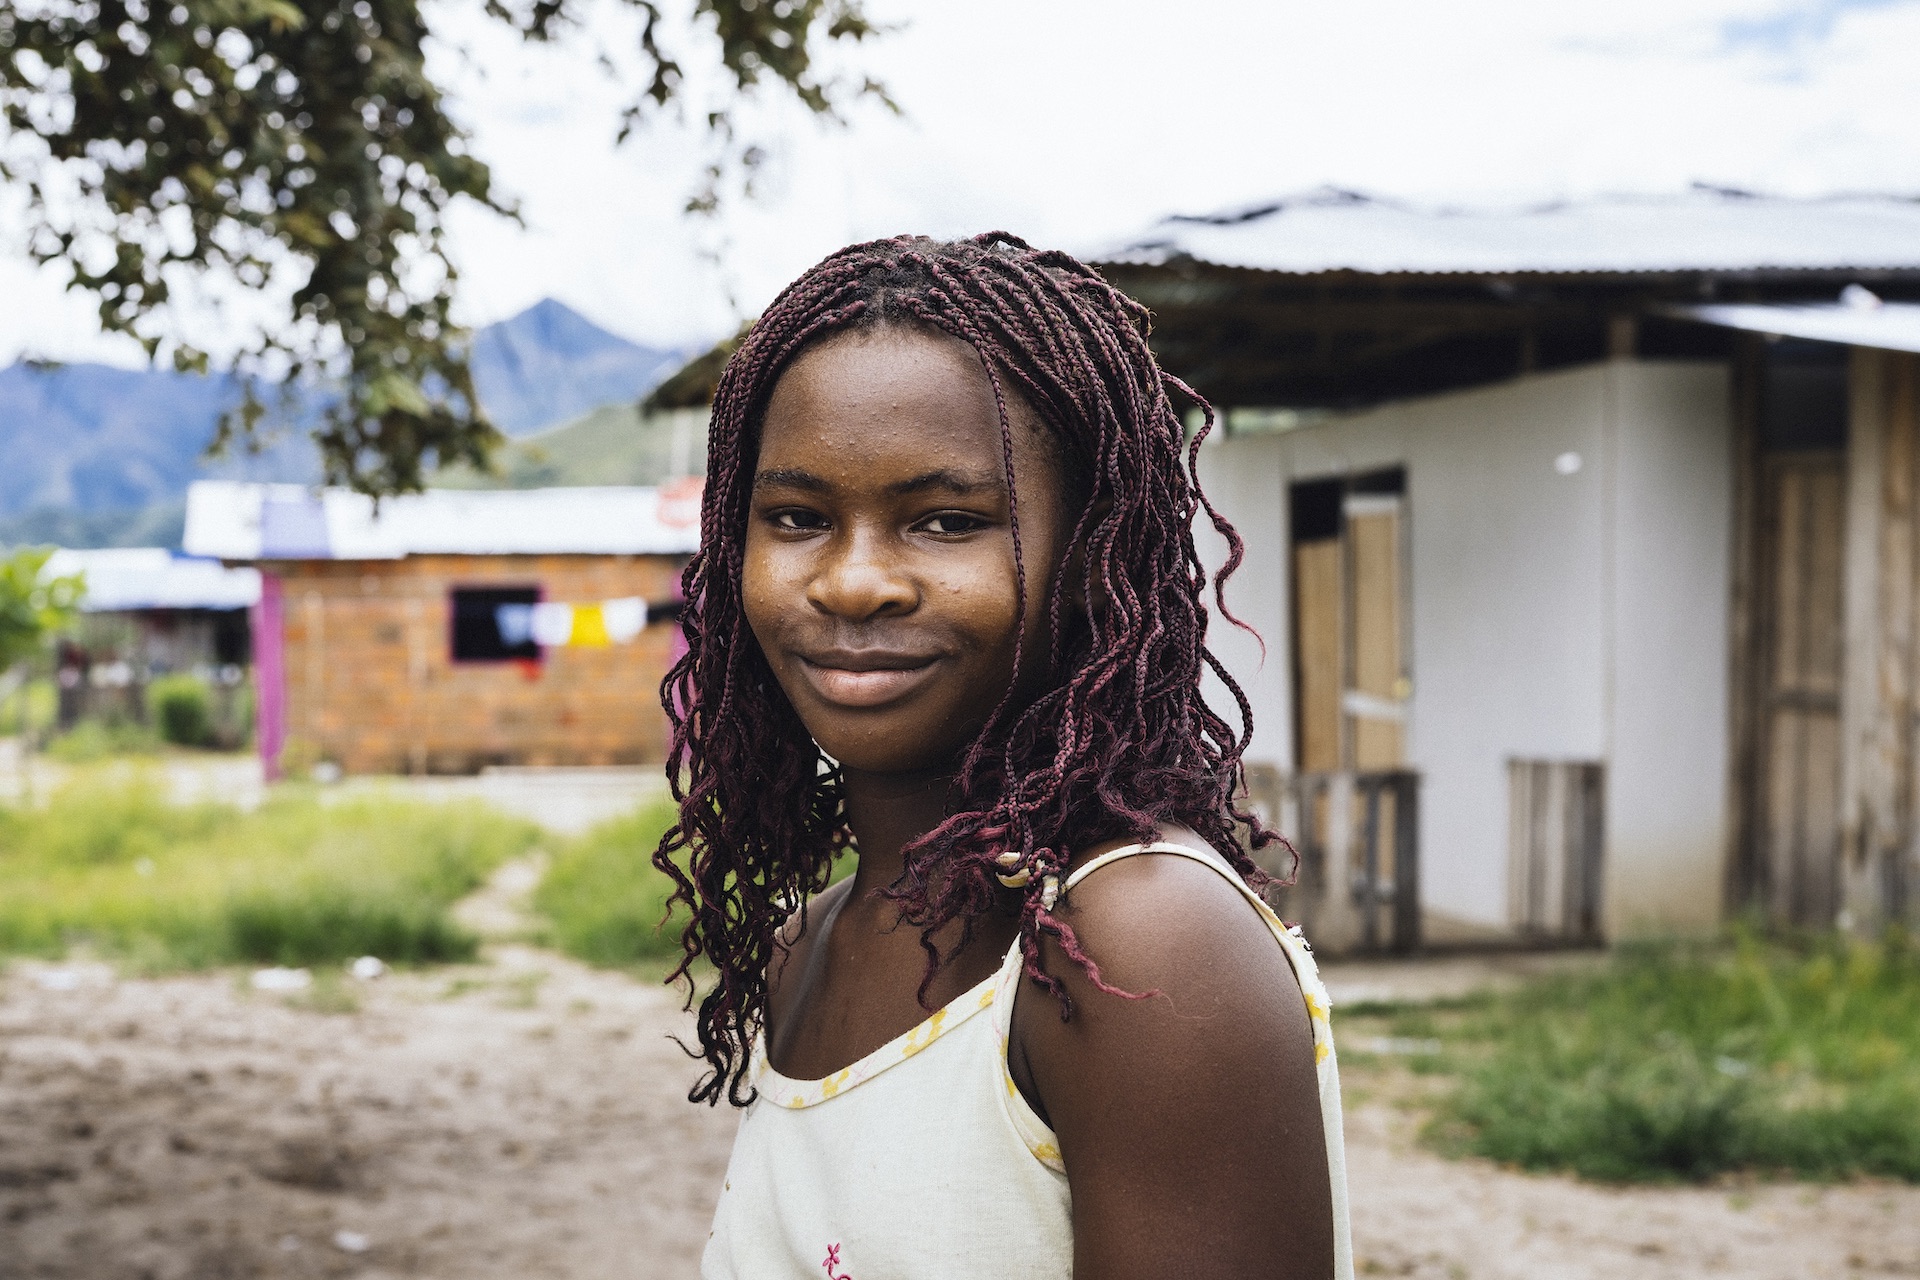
{"type": "Point", "coordinates": [123, 578]}
{"type": "Point", "coordinates": [236, 521]}
{"type": "Point", "coordinates": [1703, 230]}
{"type": "Point", "coordinates": [1890, 326]}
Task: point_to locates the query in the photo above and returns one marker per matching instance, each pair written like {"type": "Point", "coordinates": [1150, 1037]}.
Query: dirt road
{"type": "Point", "coordinates": [525, 1118]}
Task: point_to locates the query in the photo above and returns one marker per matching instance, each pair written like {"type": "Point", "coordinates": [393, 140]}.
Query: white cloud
{"type": "Point", "coordinates": [1077, 121]}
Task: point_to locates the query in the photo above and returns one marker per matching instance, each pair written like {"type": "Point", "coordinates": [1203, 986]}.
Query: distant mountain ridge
{"type": "Point", "coordinates": [550, 365]}
{"type": "Point", "coordinates": [95, 453]}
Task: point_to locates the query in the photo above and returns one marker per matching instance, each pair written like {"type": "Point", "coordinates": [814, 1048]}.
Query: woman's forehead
{"type": "Point", "coordinates": [906, 397]}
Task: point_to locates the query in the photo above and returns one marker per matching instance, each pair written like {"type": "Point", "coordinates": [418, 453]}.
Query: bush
{"type": "Point", "coordinates": [181, 708]}
{"type": "Point", "coordinates": [91, 741]}
{"type": "Point", "coordinates": [606, 899]}
{"type": "Point", "coordinates": [110, 864]}
{"type": "Point", "coordinates": [1683, 1063]}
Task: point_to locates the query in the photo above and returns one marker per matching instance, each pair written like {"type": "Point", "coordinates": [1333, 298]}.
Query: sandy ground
{"type": "Point", "coordinates": [525, 1117]}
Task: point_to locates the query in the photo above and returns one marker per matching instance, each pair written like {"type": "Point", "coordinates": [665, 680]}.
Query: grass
{"type": "Point", "coordinates": [93, 741]}
{"type": "Point", "coordinates": [110, 865]}
{"type": "Point", "coordinates": [607, 902]}
{"type": "Point", "coordinates": [1680, 1063]}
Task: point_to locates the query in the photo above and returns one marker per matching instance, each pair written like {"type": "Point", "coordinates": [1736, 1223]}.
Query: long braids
{"type": "Point", "coordinates": [1120, 741]}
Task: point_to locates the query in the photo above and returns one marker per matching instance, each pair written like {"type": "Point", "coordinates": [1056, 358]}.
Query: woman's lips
{"type": "Point", "coordinates": [862, 686]}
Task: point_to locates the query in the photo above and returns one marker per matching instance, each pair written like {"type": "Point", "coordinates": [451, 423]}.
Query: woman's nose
{"type": "Point", "coordinates": [858, 581]}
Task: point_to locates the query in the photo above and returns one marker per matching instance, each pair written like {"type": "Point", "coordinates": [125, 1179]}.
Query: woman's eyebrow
{"type": "Point", "coordinates": [790, 478]}
{"type": "Point", "coordinates": [951, 481]}
{"type": "Point", "coordinates": [945, 478]}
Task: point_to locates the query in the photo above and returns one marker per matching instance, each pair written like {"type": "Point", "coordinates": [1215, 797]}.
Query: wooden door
{"type": "Point", "coordinates": [1349, 623]}
{"type": "Point", "coordinates": [1802, 509]}
{"type": "Point", "coordinates": [1374, 699]}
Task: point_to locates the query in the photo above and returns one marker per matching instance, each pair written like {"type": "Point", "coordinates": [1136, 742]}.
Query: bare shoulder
{"type": "Point", "coordinates": [1176, 926]}
{"type": "Point", "coordinates": [1188, 1117]}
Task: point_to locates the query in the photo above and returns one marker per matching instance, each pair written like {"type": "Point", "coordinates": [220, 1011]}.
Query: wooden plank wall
{"type": "Point", "coordinates": [1880, 770]}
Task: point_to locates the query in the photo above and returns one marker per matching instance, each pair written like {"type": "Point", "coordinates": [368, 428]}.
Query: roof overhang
{"type": "Point", "coordinates": [130, 579]}
{"type": "Point", "coordinates": [264, 522]}
{"type": "Point", "coordinates": [1888, 326]}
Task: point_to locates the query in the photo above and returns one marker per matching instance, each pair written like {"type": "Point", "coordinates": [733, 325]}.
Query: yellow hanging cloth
{"type": "Point", "coordinates": [589, 628]}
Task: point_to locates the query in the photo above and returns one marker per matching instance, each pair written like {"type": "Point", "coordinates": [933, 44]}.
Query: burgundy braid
{"type": "Point", "coordinates": [1120, 741]}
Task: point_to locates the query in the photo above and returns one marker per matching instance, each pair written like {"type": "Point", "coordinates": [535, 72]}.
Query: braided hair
{"type": "Point", "coordinates": [1119, 741]}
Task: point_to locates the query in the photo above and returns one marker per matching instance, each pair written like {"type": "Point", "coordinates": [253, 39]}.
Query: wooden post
{"type": "Point", "coordinates": [1879, 769]}
{"type": "Point", "coordinates": [1743, 856]}
{"type": "Point", "coordinates": [1340, 918]}
{"type": "Point", "coordinates": [1406, 862]}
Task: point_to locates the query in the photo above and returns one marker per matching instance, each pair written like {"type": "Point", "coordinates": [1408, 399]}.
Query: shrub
{"type": "Point", "coordinates": [91, 741]}
{"type": "Point", "coordinates": [181, 708]}
{"type": "Point", "coordinates": [110, 864]}
{"type": "Point", "coordinates": [604, 896]}
{"type": "Point", "coordinates": [607, 901]}
{"type": "Point", "coordinates": [1685, 1062]}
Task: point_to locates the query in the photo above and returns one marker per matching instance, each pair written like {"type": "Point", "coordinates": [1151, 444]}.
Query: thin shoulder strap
{"type": "Point", "coordinates": [1212, 859]}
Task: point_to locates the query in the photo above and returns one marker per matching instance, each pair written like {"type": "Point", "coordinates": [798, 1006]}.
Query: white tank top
{"type": "Point", "coordinates": [922, 1161]}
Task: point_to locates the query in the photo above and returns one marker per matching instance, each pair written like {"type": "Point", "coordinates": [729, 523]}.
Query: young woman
{"type": "Point", "coordinates": [948, 612]}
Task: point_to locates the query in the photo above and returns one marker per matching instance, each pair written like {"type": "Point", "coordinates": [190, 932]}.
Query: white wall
{"type": "Point", "coordinates": [1668, 801]}
{"type": "Point", "coordinates": [1521, 578]}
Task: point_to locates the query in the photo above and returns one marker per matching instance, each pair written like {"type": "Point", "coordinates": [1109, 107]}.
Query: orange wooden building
{"type": "Point", "coordinates": [449, 631]}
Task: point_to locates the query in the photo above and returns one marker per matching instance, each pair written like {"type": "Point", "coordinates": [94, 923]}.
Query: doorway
{"type": "Point", "coordinates": [1790, 859]}
{"type": "Point", "coordinates": [1350, 636]}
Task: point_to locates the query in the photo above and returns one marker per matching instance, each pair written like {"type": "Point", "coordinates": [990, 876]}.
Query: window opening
{"type": "Point", "coordinates": [483, 627]}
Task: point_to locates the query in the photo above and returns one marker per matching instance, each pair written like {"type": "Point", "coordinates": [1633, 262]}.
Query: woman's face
{"type": "Point", "coordinates": [879, 576]}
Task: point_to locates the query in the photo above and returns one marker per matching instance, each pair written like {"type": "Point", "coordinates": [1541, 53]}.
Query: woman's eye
{"type": "Point", "coordinates": [799, 520]}
{"type": "Point", "coordinates": [951, 522]}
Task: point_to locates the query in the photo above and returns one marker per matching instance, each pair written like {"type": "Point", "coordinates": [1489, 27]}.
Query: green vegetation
{"type": "Point", "coordinates": [32, 708]}
{"type": "Point", "coordinates": [1680, 1063]}
{"type": "Point", "coordinates": [109, 864]}
{"type": "Point", "coordinates": [92, 741]}
{"type": "Point", "coordinates": [32, 607]}
{"type": "Point", "coordinates": [606, 899]}
{"type": "Point", "coordinates": [607, 902]}
{"type": "Point", "coordinates": [312, 142]}
{"type": "Point", "coordinates": [181, 708]}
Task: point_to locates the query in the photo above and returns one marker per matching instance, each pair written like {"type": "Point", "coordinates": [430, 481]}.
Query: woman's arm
{"type": "Point", "coordinates": [1189, 1121]}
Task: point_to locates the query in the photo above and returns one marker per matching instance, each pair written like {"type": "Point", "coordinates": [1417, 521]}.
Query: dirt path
{"type": "Point", "coordinates": [525, 1118]}
{"type": "Point", "coordinates": [1418, 1215]}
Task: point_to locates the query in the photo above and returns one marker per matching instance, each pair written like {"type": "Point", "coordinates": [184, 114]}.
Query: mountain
{"type": "Point", "coordinates": [92, 452]}
{"type": "Point", "coordinates": [614, 444]}
{"type": "Point", "coordinates": [550, 364]}
{"type": "Point", "coordinates": [99, 456]}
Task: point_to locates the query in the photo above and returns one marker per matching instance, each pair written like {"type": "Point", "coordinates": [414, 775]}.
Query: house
{"type": "Point", "coordinates": [1583, 541]}
{"type": "Point", "coordinates": [449, 631]}
{"type": "Point", "coordinates": [148, 612]}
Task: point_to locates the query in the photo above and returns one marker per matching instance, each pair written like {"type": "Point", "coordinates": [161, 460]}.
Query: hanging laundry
{"type": "Point", "coordinates": [552, 624]}
{"type": "Point", "coordinates": [624, 618]}
{"type": "Point", "coordinates": [515, 622]}
{"type": "Point", "coordinates": [589, 627]}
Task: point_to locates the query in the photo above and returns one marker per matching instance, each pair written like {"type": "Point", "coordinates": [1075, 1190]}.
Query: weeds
{"type": "Point", "coordinates": [1677, 1062]}
{"type": "Point", "coordinates": [606, 899]}
{"type": "Point", "coordinates": [108, 863]}
{"type": "Point", "coordinates": [92, 741]}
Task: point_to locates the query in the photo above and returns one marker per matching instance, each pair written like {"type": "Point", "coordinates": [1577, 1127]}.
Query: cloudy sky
{"type": "Point", "coordinates": [1079, 122]}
